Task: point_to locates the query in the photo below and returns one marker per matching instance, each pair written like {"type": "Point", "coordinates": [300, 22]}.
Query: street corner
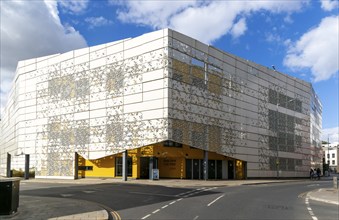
{"type": "Point", "coordinates": [326, 195]}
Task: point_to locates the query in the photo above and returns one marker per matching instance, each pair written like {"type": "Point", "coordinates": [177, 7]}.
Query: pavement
{"type": "Point", "coordinates": [32, 207]}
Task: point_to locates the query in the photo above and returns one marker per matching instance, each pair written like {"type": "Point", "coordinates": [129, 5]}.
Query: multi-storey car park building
{"type": "Point", "coordinates": [161, 100]}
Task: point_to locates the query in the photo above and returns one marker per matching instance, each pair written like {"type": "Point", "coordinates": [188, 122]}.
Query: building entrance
{"type": "Point", "coordinates": [194, 169]}
{"type": "Point", "coordinates": [144, 167]}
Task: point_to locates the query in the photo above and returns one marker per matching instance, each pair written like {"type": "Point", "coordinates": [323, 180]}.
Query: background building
{"type": "Point", "coordinates": [161, 100]}
{"type": "Point", "coordinates": [331, 153]}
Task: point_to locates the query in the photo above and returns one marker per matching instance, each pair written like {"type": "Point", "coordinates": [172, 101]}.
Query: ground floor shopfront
{"type": "Point", "coordinates": [170, 159]}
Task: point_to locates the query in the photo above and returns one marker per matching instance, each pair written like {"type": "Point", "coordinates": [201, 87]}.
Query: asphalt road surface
{"type": "Point", "coordinates": [134, 201]}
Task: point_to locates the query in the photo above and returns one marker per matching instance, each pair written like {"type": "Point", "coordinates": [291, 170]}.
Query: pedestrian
{"type": "Point", "coordinates": [318, 173]}
{"type": "Point", "coordinates": [311, 174]}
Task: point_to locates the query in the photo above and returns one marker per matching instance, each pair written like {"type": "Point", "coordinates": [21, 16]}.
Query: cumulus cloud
{"type": "Point", "coordinates": [330, 133]}
{"type": "Point", "coordinates": [239, 28]}
{"type": "Point", "coordinates": [204, 20]}
{"type": "Point", "coordinates": [73, 6]}
{"type": "Point", "coordinates": [97, 21]}
{"type": "Point", "coordinates": [317, 50]}
{"type": "Point", "coordinates": [31, 29]}
{"type": "Point", "coordinates": [329, 5]}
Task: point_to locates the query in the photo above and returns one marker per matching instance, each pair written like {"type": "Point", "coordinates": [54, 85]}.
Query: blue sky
{"type": "Point", "coordinates": [299, 38]}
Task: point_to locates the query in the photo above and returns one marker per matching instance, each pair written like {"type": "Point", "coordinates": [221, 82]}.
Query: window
{"type": "Point", "coordinates": [328, 155]}
{"type": "Point", "coordinates": [85, 168]}
{"type": "Point", "coordinates": [333, 155]}
{"type": "Point", "coordinates": [118, 166]}
{"type": "Point", "coordinates": [172, 144]}
{"type": "Point", "coordinates": [333, 162]}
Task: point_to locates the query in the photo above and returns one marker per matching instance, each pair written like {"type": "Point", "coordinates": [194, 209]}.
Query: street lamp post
{"type": "Point", "coordinates": [328, 150]}
{"type": "Point", "coordinates": [277, 155]}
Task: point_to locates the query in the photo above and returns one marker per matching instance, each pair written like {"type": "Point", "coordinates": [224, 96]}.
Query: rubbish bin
{"type": "Point", "coordinates": [9, 195]}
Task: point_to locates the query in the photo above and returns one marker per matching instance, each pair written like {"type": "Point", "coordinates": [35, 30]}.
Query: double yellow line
{"type": "Point", "coordinates": [116, 216]}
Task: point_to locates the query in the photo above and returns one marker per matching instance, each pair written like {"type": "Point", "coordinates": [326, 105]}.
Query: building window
{"type": "Point", "coordinates": [172, 144]}
{"type": "Point", "coordinates": [86, 168]}
{"type": "Point", "coordinates": [118, 166]}
{"type": "Point", "coordinates": [333, 155]}
{"type": "Point", "coordinates": [333, 162]}
{"type": "Point", "coordinates": [328, 155]}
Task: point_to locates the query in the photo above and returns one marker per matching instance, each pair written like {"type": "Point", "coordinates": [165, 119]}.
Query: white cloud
{"type": "Point", "coordinates": [97, 21]}
{"type": "Point", "coordinates": [204, 20]}
{"type": "Point", "coordinates": [31, 29]}
{"type": "Point", "coordinates": [329, 5]}
{"type": "Point", "coordinates": [73, 6]}
{"type": "Point", "coordinates": [239, 28]}
{"type": "Point", "coordinates": [317, 50]}
{"type": "Point", "coordinates": [330, 133]}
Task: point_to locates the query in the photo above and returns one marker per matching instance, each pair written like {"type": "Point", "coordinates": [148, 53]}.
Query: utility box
{"type": "Point", "coordinates": [9, 195]}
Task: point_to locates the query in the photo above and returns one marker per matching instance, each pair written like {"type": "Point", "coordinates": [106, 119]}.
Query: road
{"type": "Point", "coordinates": [135, 201]}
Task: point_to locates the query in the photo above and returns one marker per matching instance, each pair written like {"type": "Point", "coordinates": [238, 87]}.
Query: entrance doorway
{"type": "Point", "coordinates": [144, 167]}
{"type": "Point", "coordinates": [230, 169]}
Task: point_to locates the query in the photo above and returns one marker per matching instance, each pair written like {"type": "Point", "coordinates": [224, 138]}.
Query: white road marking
{"type": "Point", "coordinates": [309, 209]}
{"type": "Point", "coordinates": [165, 206]}
{"type": "Point", "coordinates": [215, 200]}
{"type": "Point", "coordinates": [196, 217]}
{"type": "Point", "coordinates": [172, 202]}
{"type": "Point", "coordinates": [156, 211]}
{"type": "Point", "coordinates": [146, 216]}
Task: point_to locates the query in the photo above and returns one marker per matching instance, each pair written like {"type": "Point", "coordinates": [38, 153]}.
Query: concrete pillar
{"type": "Point", "coordinates": [124, 166]}
{"type": "Point", "coordinates": [76, 165]}
{"type": "Point", "coordinates": [8, 165]}
{"type": "Point", "coordinates": [26, 166]}
{"type": "Point", "coordinates": [205, 165]}
{"type": "Point", "coordinates": [151, 168]}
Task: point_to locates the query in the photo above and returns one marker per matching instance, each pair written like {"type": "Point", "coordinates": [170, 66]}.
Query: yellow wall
{"type": "Point", "coordinates": [103, 167]}
{"type": "Point", "coordinates": [171, 161]}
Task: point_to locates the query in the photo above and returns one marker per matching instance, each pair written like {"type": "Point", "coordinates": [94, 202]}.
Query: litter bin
{"type": "Point", "coordinates": [9, 195]}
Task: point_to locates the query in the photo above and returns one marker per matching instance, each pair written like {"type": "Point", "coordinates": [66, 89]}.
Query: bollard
{"type": "Point", "coordinates": [335, 182]}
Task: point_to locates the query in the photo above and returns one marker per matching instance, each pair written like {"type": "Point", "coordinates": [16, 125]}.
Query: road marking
{"type": "Point", "coordinates": [196, 217]}
{"type": "Point", "coordinates": [89, 191]}
{"type": "Point", "coordinates": [66, 195]}
{"type": "Point", "coordinates": [146, 216]}
{"type": "Point", "coordinates": [215, 200]}
{"type": "Point", "coordinates": [153, 194]}
{"type": "Point", "coordinates": [309, 209]}
{"type": "Point", "coordinates": [312, 185]}
{"type": "Point", "coordinates": [183, 195]}
{"type": "Point", "coordinates": [156, 211]}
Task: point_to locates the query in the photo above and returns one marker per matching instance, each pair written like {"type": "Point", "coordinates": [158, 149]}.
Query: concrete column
{"type": "Point", "coordinates": [124, 166]}
{"type": "Point", "coordinates": [26, 166]}
{"type": "Point", "coordinates": [76, 165]}
{"type": "Point", "coordinates": [205, 165]}
{"type": "Point", "coordinates": [8, 165]}
{"type": "Point", "coordinates": [151, 168]}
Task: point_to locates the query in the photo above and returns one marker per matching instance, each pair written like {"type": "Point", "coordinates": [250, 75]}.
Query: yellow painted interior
{"type": "Point", "coordinates": [239, 170]}
{"type": "Point", "coordinates": [171, 161]}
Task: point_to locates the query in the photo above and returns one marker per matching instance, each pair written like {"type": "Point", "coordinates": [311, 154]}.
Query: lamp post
{"type": "Point", "coordinates": [277, 155]}
{"type": "Point", "coordinates": [328, 155]}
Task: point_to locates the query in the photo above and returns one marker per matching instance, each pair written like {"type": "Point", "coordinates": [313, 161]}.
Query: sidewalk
{"type": "Point", "coordinates": [31, 207]}
{"type": "Point", "coordinates": [328, 195]}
